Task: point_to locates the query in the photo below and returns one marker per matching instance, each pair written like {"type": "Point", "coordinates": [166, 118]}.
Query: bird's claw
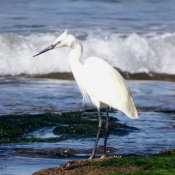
{"type": "Point", "coordinates": [103, 156]}
{"type": "Point", "coordinates": [90, 158]}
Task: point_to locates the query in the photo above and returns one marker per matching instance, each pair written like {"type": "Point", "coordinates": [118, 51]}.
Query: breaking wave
{"type": "Point", "coordinates": [133, 53]}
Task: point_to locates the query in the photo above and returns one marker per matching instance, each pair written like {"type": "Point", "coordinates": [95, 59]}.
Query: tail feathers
{"type": "Point", "coordinates": [130, 109]}
{"type": "Point", "coordinates": [132, 114]}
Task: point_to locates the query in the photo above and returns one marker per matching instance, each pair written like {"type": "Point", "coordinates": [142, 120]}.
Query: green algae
{"type": "Point", "coordinates": [89, 129]}
{"type": "Point", "coordinates": [13, 128]}
{"type": "Point", "coordinates": [157, 164]}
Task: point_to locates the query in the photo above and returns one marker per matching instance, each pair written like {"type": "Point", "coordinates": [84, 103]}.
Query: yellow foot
{"type": "Point", "coordinates": [103, 156]}
{"type": "Point", "coordinates": [90, 158]}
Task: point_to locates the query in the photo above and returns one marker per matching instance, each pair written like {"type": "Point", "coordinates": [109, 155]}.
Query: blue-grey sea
{"type": "Point", "coordinates": [135, 36]}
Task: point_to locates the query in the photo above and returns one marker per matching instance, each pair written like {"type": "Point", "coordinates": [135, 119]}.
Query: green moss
{"type": "Point", "coordinates": [89, 129]}
{"type": "Point", "coordinates": [68, 125]}
{"type": "Point", "coordinates": [14, 126]}
{"type": "Point", "coordinates": [152, 164]}
{"type": "Point", "coordinates": [77, 131]}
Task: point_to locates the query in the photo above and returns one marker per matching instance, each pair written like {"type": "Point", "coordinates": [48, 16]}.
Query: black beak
{"type": "Point", "coordinates": [45, 50]}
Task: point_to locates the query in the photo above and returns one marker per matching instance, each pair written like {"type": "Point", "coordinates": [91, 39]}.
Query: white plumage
{"type": "Point", "coordinates": [97, 80]}
{"type": "Point", "coordinates": [105, 85]}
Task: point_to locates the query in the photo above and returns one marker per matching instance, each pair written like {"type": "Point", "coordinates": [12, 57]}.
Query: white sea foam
{"type": "Point", "coordinates": [133, 53]}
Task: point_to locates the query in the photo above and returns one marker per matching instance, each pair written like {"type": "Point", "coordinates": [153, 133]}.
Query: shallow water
{"type": "Point", "coordinates": [156, 129]}
{"type": "Point", "coordinates": [21, 95]}
{"type": "Point", "coordinates": [24, 165]}
{"type": "Point", "coordinates": [34, 95]}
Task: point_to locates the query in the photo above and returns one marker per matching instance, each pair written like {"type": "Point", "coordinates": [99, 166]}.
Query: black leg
{"type": "Point", "coordinates": [98, 134]}
{"type": "Point", "coordinates": [106, 132]}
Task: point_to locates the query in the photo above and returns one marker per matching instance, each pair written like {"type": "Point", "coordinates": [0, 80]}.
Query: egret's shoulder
{"type": "Point", "coordinates": [96, 62]}
{"type": "Point", "coordinates": [93, 60]}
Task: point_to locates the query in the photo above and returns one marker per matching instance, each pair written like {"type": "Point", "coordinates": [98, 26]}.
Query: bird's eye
{"type": "Point", "coordinates": [58, 42]}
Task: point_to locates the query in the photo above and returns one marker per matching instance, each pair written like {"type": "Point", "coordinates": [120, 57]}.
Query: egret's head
{"type": "Point", "coordinates": [64, 40]}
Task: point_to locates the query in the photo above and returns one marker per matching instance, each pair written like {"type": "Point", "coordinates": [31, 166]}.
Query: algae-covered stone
{"type": "Point", "coordinates": [68, 125]}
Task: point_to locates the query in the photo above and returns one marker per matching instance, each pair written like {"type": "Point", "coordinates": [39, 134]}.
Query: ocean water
{"type": "Point", "coordinates": [134, 36]}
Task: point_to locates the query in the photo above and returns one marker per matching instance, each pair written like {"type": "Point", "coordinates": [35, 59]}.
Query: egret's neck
{"type": "Point", "coordinates": [74, 61]}
{"type": "Point", "coordinates": [75, 54]}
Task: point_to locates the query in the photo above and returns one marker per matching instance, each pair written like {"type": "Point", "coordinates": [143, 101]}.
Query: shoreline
{"type": "Point", "coordinates": [154, 163]}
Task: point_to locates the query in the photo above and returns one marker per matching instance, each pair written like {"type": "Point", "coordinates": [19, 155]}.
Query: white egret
{"type": "Point", "coordinates": [98, 81]}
